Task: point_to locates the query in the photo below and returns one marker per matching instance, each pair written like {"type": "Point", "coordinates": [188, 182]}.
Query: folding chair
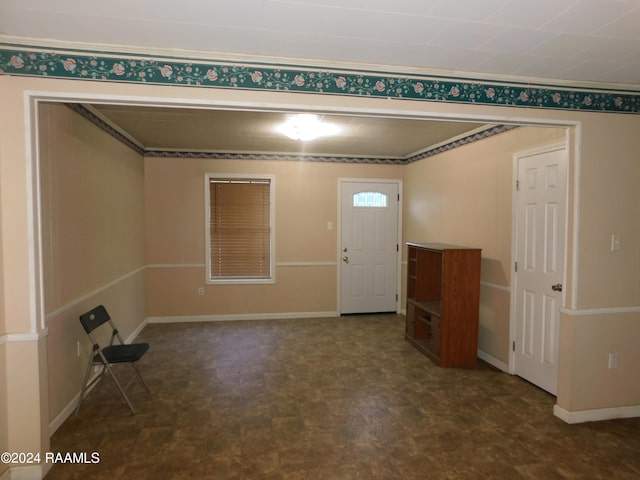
{"type": "Point", "coordinates": [109, 355]}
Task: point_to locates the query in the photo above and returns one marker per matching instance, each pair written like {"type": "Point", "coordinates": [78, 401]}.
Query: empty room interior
{"type": "Point", "coordinates": [441, 277]}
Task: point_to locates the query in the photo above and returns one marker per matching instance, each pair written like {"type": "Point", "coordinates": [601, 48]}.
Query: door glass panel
{"type": "Point", "coordinates": [369, 199]}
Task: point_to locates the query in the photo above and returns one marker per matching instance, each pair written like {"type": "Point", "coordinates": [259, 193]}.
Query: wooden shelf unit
{"type": "Point", "coordinates": [443, 298]}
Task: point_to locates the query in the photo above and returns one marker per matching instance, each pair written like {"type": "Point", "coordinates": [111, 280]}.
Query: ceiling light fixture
{"type": "Point", "coordinates": [305, 127]}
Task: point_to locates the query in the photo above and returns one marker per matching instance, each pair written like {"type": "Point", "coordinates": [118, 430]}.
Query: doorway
{"type": "Point", "coordinates": [539, 240]}
{"type": "Point", "coordinates": [369, 246]}
{"type": "Point", "coordinates": [35, 273]}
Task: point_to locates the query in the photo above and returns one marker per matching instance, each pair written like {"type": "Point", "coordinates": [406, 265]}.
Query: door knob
{"type": "Point", "coordinates": [345, 259]}
{"type": "Point", "coordinates": [557, 287]}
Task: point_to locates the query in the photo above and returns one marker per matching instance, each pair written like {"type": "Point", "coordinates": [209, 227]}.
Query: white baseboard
{"type": "Point", "coordinates": [68, 410]}
{"type": "Point", "coordinates": [596, 415]}
{"type": "Point", "coordinates": [491, 360]}
{"type": "Point", "coordinates": [28, 472]}
{"type": "Point", "coordinates": [241, 316]}
{"type": "Point", "coordinates": [136, 332]}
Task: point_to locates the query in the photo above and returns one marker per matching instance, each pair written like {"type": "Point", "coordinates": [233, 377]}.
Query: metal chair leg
{"type": "Point", "coordinates": [140, 377]}
{"type": "Point", "coordinates": [124, 395]}
{"type": "Point", "coordinates": [86, 384]}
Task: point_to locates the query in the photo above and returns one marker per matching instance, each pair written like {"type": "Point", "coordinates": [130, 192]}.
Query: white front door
{"type": "Point", "coordinates": [369, 247]}
{"type": "Point", "coordinates": [540, 247]}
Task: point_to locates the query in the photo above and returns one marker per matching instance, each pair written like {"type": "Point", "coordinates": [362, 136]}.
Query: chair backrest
{"type": "Point", "coordinates": [94, 318]}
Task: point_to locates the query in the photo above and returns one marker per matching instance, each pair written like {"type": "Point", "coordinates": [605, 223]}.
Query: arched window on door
{"type": "Point", "coordinates": [369, 199]}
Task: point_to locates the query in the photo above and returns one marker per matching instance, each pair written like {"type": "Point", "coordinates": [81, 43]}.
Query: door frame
{"type": "Point", "coordinates": [552, 147]}
{"type": "Point", "coordinates": [341, 181]}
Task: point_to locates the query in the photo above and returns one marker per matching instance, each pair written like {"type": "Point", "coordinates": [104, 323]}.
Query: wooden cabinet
{"type": "Point", "coordinates": [443, 297]}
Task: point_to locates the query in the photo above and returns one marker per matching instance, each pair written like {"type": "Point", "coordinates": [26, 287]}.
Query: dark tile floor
{"type": "Point", "coordinates": [337, 398]}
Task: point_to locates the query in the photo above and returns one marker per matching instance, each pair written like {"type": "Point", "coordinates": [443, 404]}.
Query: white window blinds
{"type": "Point", "coordinates": [240, 228]}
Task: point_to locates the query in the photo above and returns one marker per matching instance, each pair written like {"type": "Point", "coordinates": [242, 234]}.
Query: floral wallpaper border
{"type": "Point", "coordinates": [113, 67]}
{"type": "Point", "coordinates": [89, 115]}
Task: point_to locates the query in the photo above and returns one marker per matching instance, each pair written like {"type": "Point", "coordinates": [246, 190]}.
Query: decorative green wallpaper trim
{"type": "Point", "coordinates": [16, 60]}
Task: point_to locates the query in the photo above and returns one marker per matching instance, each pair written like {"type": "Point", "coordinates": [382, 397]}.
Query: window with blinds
{"type": "Point", "coordinates": [240, 242]}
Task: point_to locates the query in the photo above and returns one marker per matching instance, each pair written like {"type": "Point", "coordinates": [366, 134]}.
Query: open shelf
{"type": "Point", "coordinates": [433, 307]}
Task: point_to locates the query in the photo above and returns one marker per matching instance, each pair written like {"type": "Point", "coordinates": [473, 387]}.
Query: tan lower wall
{"type": "Point", "coordinates": [26, 391]}
{"type": "Point", "coordinates": [4, 434]}
{"type": "Point", "coordinates": [298, 289]}
{"type": "Point", "coordinates": [493, 337]}
{"type": "Point", "coordinates": [586, 341]}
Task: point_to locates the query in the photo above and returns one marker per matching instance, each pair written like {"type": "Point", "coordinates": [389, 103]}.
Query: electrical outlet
{"type": "Point", "coordinates": [613, 360]}
{"type": "Point", "coordinates": [201, 291]}
{"type": "Point", "coordinates": [615, 243]}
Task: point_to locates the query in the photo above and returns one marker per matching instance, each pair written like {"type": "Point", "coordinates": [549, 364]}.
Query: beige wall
{"type": "Point", "coordinates": [610, 204]}
{"type": "Point", "coordinates": [21, 346]}
{"type": "Point", "coordinates": [92, 206]}
{"type": "Point", "coordinates": [464, 197]}
{"type": "Point", "coordinates": [4, 440]}
{"type": "Point", "coordinates": [92, 240]}
{"type": "Point", "coordinates": [604, 140]}
{"type": "Point", "coordinates": [606, 316]}
{"type": "Point", "coordinates": [306, 199]}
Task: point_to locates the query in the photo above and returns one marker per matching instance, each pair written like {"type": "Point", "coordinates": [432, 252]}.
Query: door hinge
{"type": "Point", "coordinates": [396, 297]}
{"type": "Point", "coordinates": [517, 185]}
{"type": "Point", "coordinates": [515, 266]}
{"type": "Point", "coordinates": [513, 346]}
{"type": "Point", "coordinates": [397, 247]}
{"type": "Point", "coordinates": [398, 197]}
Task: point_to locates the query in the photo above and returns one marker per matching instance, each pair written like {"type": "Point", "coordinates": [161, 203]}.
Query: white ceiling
{"type": "Point", "coordinates": [569, 40]}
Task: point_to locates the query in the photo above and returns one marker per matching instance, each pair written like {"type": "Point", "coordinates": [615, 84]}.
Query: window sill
{"type": "Point", "coordinates": [241, 281]}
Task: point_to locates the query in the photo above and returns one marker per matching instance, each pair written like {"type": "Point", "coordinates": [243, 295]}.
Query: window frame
{"type": "Point", "coordinates": [211, 280]}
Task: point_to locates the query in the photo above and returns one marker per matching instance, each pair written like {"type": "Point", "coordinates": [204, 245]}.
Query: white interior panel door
{"type": "Point", "coordinates": [540, 246]}
{"type": "Point", "coordinates": [369, 247]}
